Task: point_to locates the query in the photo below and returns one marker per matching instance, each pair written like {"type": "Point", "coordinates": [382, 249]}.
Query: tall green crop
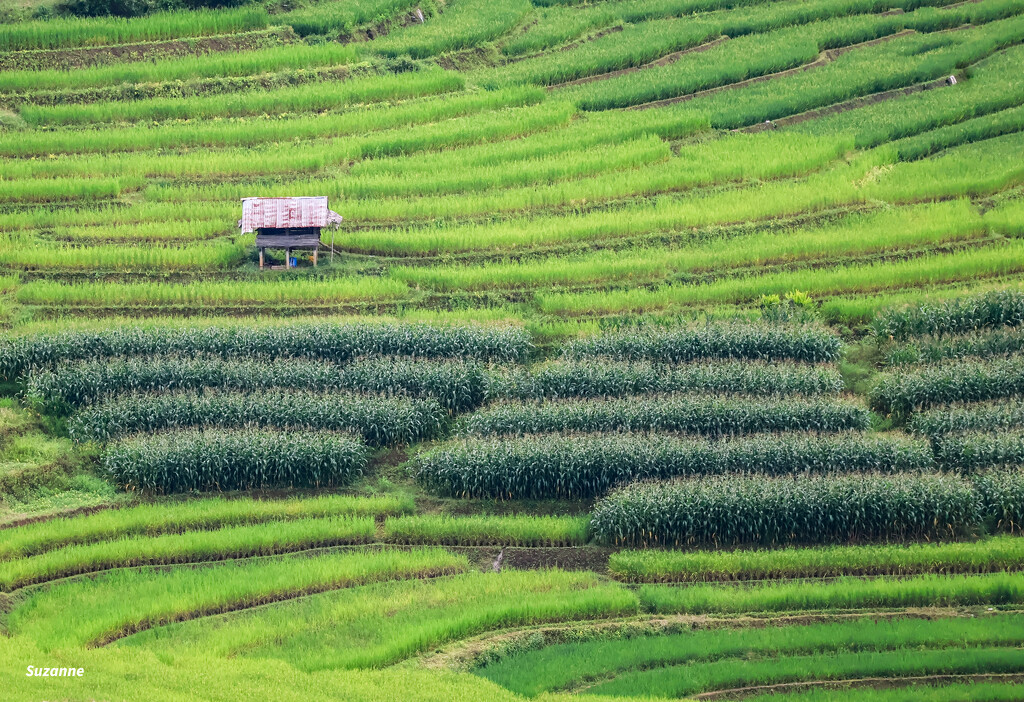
{"type": "Point", "coordinates": [235, 460]}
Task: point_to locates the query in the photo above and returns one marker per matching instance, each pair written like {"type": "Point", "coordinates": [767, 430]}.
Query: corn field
{"type": "Point", "coordinates": [325, 341]}
{"type": "Point", "coordinates": [233, 460]}
{"type": "Point", "coordinates": [379, 421]}
{"type": "Point", "coordinates": [693, 414]}
{"type": "Point", "coordinates": [575, 467]}
{"type": "Point", "coordinates": [724, 341]}
{"type": "Point", "coordinates": [726, 511]}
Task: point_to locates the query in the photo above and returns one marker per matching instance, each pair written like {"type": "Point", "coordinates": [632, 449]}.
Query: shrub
{"type": "Point", "coordinates": [234, 460]}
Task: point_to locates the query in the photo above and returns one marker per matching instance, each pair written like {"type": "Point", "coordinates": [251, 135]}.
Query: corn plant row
{"type": "Point", "coordinates": [990, 555]}
{"type": "Point", "coordinates": [985, 416]}
{"type": "Point", "coordinates": [726, 341]}
{"type": "Point", "coordinates": [972, 451]}
{"type": "Point", "coordinates": [379, 421]}
{"type": "Point", "coordinates": [234, 460]}
{"type": "Point", "coordinates": [692, 414]}
{"type": "Point", "coordinates": [985, 344]}
{"type": "Point", "coordinates": [597, 378]}
{"type": "Point", "coordinates": [457, 385]}
{"type": "Point", "coordinates": [243, 541]}
{"type": "Point", "coordinates": [902, 392]}
{"type": "Point", "coordinates": [516, 530]}
{"type": "Point", "coordinates": [808, 509]}
{"type": "Point", "coordinates": [187, 516]}
{"type": "Point", "coordinates": [991, 310]}
{"type": "Point", "coordinates": [323, 341]}
{"type": "Point", "coordinates": [574, 467]}
{"type": "Point", "coordinates": [102, 31]}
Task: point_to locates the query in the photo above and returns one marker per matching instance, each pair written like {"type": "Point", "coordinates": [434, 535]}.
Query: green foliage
{"type": "Point", "coordinates": [458, 385]}
{"type": "Point", "coordinates": [592, 377]}
{"type": "Point", "coordinates": [229, 542]}
{"type": "Point", "coordinates": [901, 392]}
{"type": "Point", "coordinates": [380, 421]}
{"type": "Point", "coordinates": [996, 342]}
{"type": "Point", "coordinates": [584, 466]}
{"type": "Point", "coordinates": [1002, 499]}
{"type": "Point", "coordinates": [958, 315]}
{"type": "Point", "coordinates": [568, 664]}
{"type": "Point", "coordinates": [210, 460]}
{"type": "Point", "coordinates": [713, 416]}
{"type": "Point", "coordinates": [176, 517]}
{"type": "Point", "coordinates": [341, 16]}
{"type": "Point", "coordinates": [464, 24]}
{"type": "Point", "coordinates": [994, 554]}
{"type": "Point", "coordinates": [801, 509]}
{"type": "Point", "coordinates": [724, 341]}
{"type": "Point", "coordinates": [517, 530]}
{"type": "Point", "coordinates": [327, 341]}
{"type": "Point", "coordinates": [992, 416]}
{"type": "Point", "coordinates": [116, 604]}
{"type": "Point", "coordinates": [968, 452]}
{"type": "Point", "coordinates": [102, 31]}
{"type": "Point", "coordinates": [842, 593]}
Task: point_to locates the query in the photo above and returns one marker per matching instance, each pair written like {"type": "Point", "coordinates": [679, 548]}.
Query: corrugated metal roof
{"type": "Point", "coordinates": [285, 213]}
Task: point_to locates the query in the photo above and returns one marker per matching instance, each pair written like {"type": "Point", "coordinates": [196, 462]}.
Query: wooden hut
{"type": "Point", "coordinates": [287, 223]}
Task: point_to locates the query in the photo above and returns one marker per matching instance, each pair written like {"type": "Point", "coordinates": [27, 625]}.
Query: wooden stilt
{"type": "Point", "coordinates": [315, 252]}
{"type": "Point", "coordinates": [261, 258]}
{"type": "Point", "coordinates": [287, 258]}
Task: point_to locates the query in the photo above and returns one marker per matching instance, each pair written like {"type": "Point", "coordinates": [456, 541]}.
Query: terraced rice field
{"type": "Point", "coordinates": [667, 349]}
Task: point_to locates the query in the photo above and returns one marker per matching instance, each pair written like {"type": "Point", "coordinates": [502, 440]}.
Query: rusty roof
{"type": "Point", "coordinates": [285, 213]}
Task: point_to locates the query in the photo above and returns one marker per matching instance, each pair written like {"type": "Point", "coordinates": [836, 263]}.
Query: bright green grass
{"type": "Point", "coordinates": [187, 515]}
{"type": "Point", "coordinates": [216, 544]}
{"type": "Point", "coordinates": [568, 665]}
{"type": "Point", "coordinates": [842, 593]}
{"type": "Point", "coordinates": [519, 530]}
{"type": "Point", "coordinates": [374, 626]}
{"type": "Point", "coordinates": [120, 602]}
{"type": "Point", "coordinates": [902, 662]}
{"type": "Point", "coordinates": [994, 554]}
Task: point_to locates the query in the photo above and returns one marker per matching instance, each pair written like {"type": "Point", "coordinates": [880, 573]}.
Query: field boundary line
{"type": "Point", "coordinates": [824, 58]}
{"type": "Point", "coordinates": [896, 681]}
{"type": "Point", "coordinates": [665, 60]}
